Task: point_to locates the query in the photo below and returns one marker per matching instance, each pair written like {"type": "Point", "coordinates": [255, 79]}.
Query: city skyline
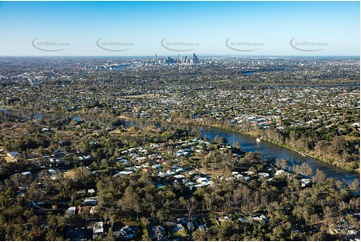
{"type": "Point", "coordinates": [172, 28]}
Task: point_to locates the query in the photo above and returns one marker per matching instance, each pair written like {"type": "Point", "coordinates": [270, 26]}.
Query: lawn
{"type": "Point", "coordinates": [181, 233]}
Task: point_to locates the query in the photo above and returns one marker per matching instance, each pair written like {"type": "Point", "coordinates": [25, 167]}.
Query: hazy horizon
{"type": "Point", "coordinates": [172, 28]}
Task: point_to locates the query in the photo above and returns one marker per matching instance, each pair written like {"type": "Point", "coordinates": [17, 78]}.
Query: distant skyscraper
{"type": "Point", "coordinates": [195, 59]}
{"type": "Point", "coordinates": [170, 60]}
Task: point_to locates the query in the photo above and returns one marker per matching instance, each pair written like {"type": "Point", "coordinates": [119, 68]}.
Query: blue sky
{"type": "Point", "coordinates": [137, 28]}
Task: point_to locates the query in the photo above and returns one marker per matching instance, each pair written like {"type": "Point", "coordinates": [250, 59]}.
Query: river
{"type": "Point", "coordinates": [248, 143]}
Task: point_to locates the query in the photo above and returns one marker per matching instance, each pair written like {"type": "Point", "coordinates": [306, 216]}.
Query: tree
{"type": "Point", "coordinates": [199, 235]}
{"type": "Point", "coordinates": [220, 140]}
{"type": "Point", "coordinates": [145, 223]}
{"type": "Point", "coordinates": [190, 205]}
{"type": "Point", "coordinates": [50, 235]}
{"type": "Point", "coordinates": [282, 163]}
{"type": "Point", "coordinates": [236, 144]}
{"type": "Point", "coordinates": [354, 186]}
{"type": "Point", "coordinates": [130, 202]}
{"type": "Point", "coordinates": [161, 215]}
{"type": "Point", "coordinates": [303, 169]}
{"type": "Point", "coordinates": [319, 177]}
{"type": "Point", "coordinates": [110, 214]}
{"type": "Point", "coordinates": [110, 235]}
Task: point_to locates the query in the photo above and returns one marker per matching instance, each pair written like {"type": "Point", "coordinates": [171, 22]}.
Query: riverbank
{"type": "Point", "coordinates": [229, 127]}
{"type": "Point", "coordinates": [310, 154]}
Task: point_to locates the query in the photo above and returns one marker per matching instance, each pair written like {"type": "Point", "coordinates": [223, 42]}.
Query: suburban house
{"type": "Point", "coordinates": [13, 154]}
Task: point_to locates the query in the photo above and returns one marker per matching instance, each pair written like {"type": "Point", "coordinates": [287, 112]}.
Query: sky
{"type": "Point", "coordinates": [172, 28]}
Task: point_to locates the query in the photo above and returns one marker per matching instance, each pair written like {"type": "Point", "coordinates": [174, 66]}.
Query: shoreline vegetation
{"type": "Point", "coordinates": [228, 127]}
{"type": "Point", "coordinates": [311, 154]}
{"type": "Point", "coordinates": [140, 179]}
